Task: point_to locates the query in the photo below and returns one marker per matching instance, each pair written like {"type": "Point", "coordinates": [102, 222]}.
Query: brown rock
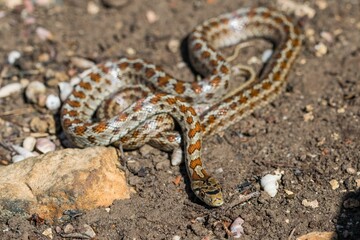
{"type": "Point", "coordinates": [67, 179]}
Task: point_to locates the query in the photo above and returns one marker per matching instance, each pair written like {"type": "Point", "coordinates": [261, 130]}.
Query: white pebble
{"type": "Point", "coordinates": [44, 145]}
{"type": "Point", "coordinates": [29, 143]}
{"type": "Point", "coordinates": [92, 8]}
{"type": "Point", "coordinates": [176, 157]}
{"type": "Point", "coordinates": [270, 183]}
{"type": "Point", "coordinates": [131, 51]}
{"type": "Point", "coordinates": [219, 170]}
{"type": "Point", "coordinates": [266, 55]}
{"type": "Point", "coordinates": [13, 56]}
{"type": "Point", "coordinates": [176, 237]}
{"type": "Point", "coordinates": [312, 204]}
{"type": "Point", "coordinates": [17, 158]}
{"type": "Point", "coordinates": [151, 16]}
{"type": "Point", "coordinates": [65, 90]}
{"type": "Point", "coordinates": [320, 49]}
{"type": "Point", "coordinates": [48, 233]}
{"type": "Point", "coordinates": [22, 151]}
{"type": "Point", "coordinates": [173, 45]}
{"type": "Point", "coordinates": [87, 230]}
{"type": "Point", "coordinates": [236, 227]}
{"type": "Point", "coordinates": [9, 89]}
{"type": "Point", "coordinates": [53, 102]}
{"type": "Point", "coordinates": [82, 62]}
{"type": "Point", "coordinates": [44, 34]}
{"type": "Point", "coordinates": [33, 90]}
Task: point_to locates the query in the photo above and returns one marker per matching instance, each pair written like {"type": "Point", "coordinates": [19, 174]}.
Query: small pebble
{"type": "Point", "coordinates": [162, 165]}
{"type": "Point", "coordinates": [48, 233]}
{"type": "Point", "coordinates": [22, 151]}
{"type": "Point", "coordinates": [357, 183]}
{"type": "Point", "coordinates": [65, 90]}
{"type": "Point", "coordinates": [270, 184]}
{"type": "Point", "coordinates": [13, 56]}
{"type": "Point", "coordinates": [82, 62]}
{"type": "Point", "coordinates": [44, 145]}
{"type": "Point", "coordinates": [341, 110]}
{"type": "Point", "coordinates": [92, 8]}
{"type": "Point", "coordinates": [9, 89]}
{"type": "Point", "coordinates": [327, 36]}
{"type": "Point", "coordinates": [236, 227]}
{"type": "Point", "coordinates": [266, 55]}
{"type": "Point", "coordinates": [334, 184]}
{"type": "Point", "coordinates": [176, 237]}
{"type": "Point", "coordinates": [176, 157]}
{"type": "Point", "coordinates": [219, 170]}
{"type": "Point", "coordinates": [44, 34]}
{"type": "Point", "coordinates": [12, 3]}
{"type": "Point", "coordinates": [173, 45]}
{"type": "Point", "coordinates": [320, 49]}
{"type": "Point", "coordinates": [107, 209]}
{"type": "Point", "coordinates": [53, 102]}
{"type": "Point", "coordinates": [69, 228]}
{"type": "Point", "coordinates": [299, 9]}
{"type": "Point", "coordinates": [133, 166]}
{"type": "Point", "coordinates": [44, 57]}
{"type": "Point", "coordinates": [312, 204]}
{"type": "Point", "coordinates": [308, 116]}
{"type": "Point", "coordinates": [130, 51]}
{"type": "Point", "coordinates": [351, 170]}
{"type": "Point", "coordinates": [309, 108]}
{"type": "Point", "coordinates": [34, 90]}
{"type": "Point", "coordinates": [321, 4]}
{"type": "Point", "coordinates": [87, 230]}
{"type": "Point", "coordinates": [151, 16]}
{"type": "Point", "coordinates": [17, 158]}
{"type": "Point", "coordinates": [29, 143]}
{"type": "Point", "coordinates": [38, 125]}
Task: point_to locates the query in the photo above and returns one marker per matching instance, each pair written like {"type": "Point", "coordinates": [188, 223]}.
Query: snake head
{"type": "Point", "coordinates": [209, 191]}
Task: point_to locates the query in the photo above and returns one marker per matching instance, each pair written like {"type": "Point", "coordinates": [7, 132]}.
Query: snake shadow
{"type": "Point", "coordinates": [347, 224]}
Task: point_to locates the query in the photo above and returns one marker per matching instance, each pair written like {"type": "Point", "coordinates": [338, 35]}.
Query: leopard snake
{"type": "Point", "coordinates": [160, 97]}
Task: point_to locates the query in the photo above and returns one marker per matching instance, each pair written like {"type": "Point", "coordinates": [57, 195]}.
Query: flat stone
{"type": "Point", "coordinates": [57, 181]}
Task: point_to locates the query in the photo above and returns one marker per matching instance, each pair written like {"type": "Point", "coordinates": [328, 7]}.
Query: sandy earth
{"type": "Point", "coordinates": [310, 133]}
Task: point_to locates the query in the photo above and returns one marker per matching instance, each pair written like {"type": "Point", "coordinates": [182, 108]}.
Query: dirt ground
{"type": "Point", "coordinates": [310, 133]}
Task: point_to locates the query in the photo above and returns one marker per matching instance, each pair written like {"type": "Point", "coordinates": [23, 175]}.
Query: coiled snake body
{"type": "Point", "coordinates": [163, 97]}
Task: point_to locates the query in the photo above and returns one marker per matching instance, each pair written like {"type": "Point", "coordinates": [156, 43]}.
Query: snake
{"type": "Point", "coordinates": [159, 96]}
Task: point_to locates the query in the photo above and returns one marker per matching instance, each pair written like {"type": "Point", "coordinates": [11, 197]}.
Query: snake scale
{"type": "Point", "coordinates": [161, 96]}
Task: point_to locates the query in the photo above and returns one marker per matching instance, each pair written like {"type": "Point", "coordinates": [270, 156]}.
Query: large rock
{"type": "Point", "coordinates": [61, 180]}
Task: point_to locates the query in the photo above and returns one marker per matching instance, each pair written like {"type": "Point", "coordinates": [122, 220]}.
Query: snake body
{"type": "Point", "coordinates": [164, 97]}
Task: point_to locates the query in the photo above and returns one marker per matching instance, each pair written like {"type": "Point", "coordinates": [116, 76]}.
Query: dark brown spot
{"type": "Point", "coordinates": [179, 87]}
{"type": "Point", "coordinates": [85, 85]}
{"type": "Point", "coordinates": [91, 139]}
{"type": "Point", "coordinates": [80, 130]}
{"type": "Point", "coordinates": [171, 101]}
{"type": "Point", "coordinates": [149, 72]}
{"type": "Point", "coordinates": [243, 99]}
{"type": "Point", "coordinates": [162, 81]}
{"type": "Point", "coordinates": [277, 76]}
{"type": "Point", "coordinates": [100, 127]}
{"type": "Point", "coordinates": [193, 147]}
{"type": "Point", "coordinates": [95, 77]}
{"type": "Point", "coordinates": [197, 47]}
{"type": "Point", "coordinates": [79, 94]}
{"type": "Point", "coordinates": [205, 55]}
{"type": "Point", "coordinates": [74, 104]}
{"type": "Point", "coordinates": [194, 163]}
{"type": "Point", "coordinates": [189, 120]}
{"type": "Point", "coordinates": [254, 92]}
{"type": "Point", "coordinates": [123, 65]}
{"type": "Point", "coordinates": [266, 85]}
{"type": "Point", "coordinates": [196, 87]}
{"type": "Point", "coordinates": [138, 66]}
{"type": "Point", "coordinates": [215, 81]}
